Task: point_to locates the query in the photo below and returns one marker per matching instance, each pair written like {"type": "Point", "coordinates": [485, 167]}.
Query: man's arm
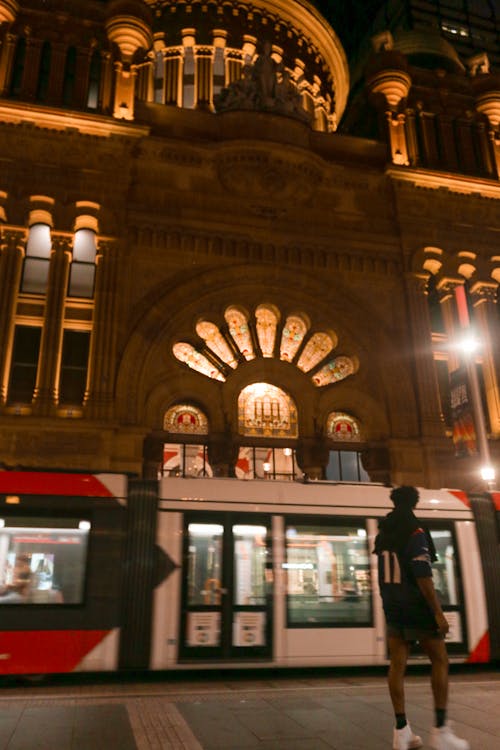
{"type": "Point", "coordinates": [426, 586]}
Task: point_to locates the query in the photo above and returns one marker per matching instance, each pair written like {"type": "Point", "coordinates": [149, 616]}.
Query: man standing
{"type": "Point", "coordinates": [413, 613]}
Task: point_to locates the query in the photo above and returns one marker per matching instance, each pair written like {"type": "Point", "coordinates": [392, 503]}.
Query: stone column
{"type": "Point", "coordinates": [31, 67]}
{"type": "Point", "coordinates": [57, 70]}
{"type": "Point", "coordinates": [46, 388]}
{"type": "Point", "coordinates": [431, 420]}
{"type": "Point", "coordinates": [312, 456]}
{"type": "Point", "coordinates": [204, 71]}
{"type": "Point", "coordinates": [484, 300]}
{"type": "Point", "coordinates": [222, 454]}
{"type": "Point", "coordinates": [6, 57]}
{"type": "Point", "coordinates": [446, 290]}
{"type": "Point", "coordinates": [83, 57]}
{"type": "Point", "coordinates": [412, 138]}
{"type": "Point", "coordinates": [12, 246]}
{"type": "Point", "coordinates": [99, 401]}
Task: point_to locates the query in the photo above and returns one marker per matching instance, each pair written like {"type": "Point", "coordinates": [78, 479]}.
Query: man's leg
{"type": "Point", "coordinates": [435, 648]}
{"type": "Point", "coordinates": [398, 652]}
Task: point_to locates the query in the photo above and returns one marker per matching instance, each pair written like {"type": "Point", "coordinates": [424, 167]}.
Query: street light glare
{"type": "Point", "coordinates": [488, 473]}
{"type": "Point", "coordinates": [469, 345]}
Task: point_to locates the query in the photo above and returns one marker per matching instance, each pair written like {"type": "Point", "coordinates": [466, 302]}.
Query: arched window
{"type": "Point", "coordinates": [267, 321]}
{"type": "Point", "coordinates": [69, 77]}
{"type": "Point", "coordinates": [94, 80]}
{"type": "Point", "coordinates": [266, 411]}
{"type": "Point", "coordinates": [19, 61]}
{"type": "Point", "coordinates": [190, 457]}
{"type": "Point", "coordinates": [216, 342]}
{"type": "Point", "coordinates": [342, 427]}
{"type": "Point", "coordinates": [185, 419]}
{"type": "Point", "coordinates": [293, 333]}
{"type": "Point", "coordinates": [186, 353]}
{"type": "Point", "coordinates": [237, 321]}
{"type": "Point", "coordinates": [44, 73]}
{"type": "Point", "coordinates": [315, 350]}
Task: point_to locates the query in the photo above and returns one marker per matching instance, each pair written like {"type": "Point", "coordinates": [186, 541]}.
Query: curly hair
{"type": "Point", "coordinates": [405, 496]}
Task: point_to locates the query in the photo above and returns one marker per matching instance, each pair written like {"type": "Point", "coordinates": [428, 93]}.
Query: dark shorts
{"type": "Point", "coordinates": [411, 635]}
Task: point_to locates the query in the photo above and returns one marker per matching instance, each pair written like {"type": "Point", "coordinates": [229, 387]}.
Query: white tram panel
{"type": "Point", "coordinates": [293, 646]}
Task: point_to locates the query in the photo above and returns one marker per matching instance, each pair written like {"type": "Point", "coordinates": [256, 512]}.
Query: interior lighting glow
{"type": "Point", "coordinates": [84, 525]}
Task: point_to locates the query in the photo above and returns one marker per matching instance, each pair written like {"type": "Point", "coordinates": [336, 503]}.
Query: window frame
{"type": "Point", "coordinates": [338, 522]}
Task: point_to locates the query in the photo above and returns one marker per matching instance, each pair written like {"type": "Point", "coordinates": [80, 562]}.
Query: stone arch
{"type": "Point", "coordinates": [149, 377]}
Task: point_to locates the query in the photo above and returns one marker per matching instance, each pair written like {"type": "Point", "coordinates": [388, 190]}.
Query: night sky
{"type": "Point", "coordinates": [351, 19]}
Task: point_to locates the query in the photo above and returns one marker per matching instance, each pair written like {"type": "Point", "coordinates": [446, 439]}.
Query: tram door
{"type": "Point", "coordinates": [227, 587]}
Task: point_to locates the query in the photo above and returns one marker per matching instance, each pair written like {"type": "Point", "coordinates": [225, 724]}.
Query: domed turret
{"type": "Point", "coordinates": [8, 11]}
{"type": "Point", "coordinates": [129, 26]}
{"type": "Point", "coordinates": [387, 71]}
{"type": "Point", "coordinates": [427, 49]}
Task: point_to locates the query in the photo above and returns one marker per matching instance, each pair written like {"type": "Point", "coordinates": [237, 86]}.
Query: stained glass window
{"type": "Point", "coordinates": [342, 427]}
{"type": "Point", "coordinates": [216, 342]}
{"type": "Point", "coordinates": [337, 369]}
{"type": "Point", "coordinates": [292, 336]}
{"type": "Point", "coordinates": [186, 353]}
{"type": "Point", "coordinates": [267, 321]}
{"type": "Point", "coordinates": [266, 411]}
{"type": "Point", "coordinates": [315, 350]}
{"type": "Point", "coordinates": [186, 419]}
{"type": "Point", "coordinates": [239, 330]}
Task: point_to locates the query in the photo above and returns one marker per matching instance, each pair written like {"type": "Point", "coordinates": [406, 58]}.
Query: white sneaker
{"type": "Point", "coordinates": [404, 739]}
{"type": "Point", "coordinates": [442, 738]}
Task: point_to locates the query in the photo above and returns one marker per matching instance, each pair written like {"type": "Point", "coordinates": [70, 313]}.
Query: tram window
{"type": "Point", "coordinates": [250, 557]}
{"type": "Point", "coordinates": [42, 561]}
{"type": "Point", "coordinates": [328, 575]}
{"type": "Point", "coordinates": [444, 570]}
{"type": "Point", "coordinates": [204, 573]}
{"type": "Point", "coordinates": [185, 460]}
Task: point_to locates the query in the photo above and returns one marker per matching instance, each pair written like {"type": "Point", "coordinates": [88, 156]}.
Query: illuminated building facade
{"type": "Point", "coordinates": [219, 257]}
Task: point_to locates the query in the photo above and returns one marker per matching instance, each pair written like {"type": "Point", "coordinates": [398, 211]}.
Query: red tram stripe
{"type": "Point", "coordinates": [52, 483]}
{"type": "Point", "coordinates": [46, 651]}
{"type": "Point", "coordinates": [496, 499]}
{"type": "Point", "coordinates": [462, 496]}
{"type": "Point", "coordinates": [481, 653]}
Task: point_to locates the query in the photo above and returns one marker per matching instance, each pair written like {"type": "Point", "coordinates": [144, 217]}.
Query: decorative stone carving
{"type": "Point", "coordinates": [252, 173]}
{"type": "Point", "coordinates": [265, 86]}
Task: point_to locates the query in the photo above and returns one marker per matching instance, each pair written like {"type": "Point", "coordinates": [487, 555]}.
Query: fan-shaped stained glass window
{"type": "Point", "coordinates": [316, 349]}
{"type": "Point", "coordinates": [216, 342]}
{"type": "Point", "coordinates": [190, 356]}
{"type": "Point", "coordinates": [293, 333]}
{"type": "Point", "coordinates": [267, 322]}
{"type": "Point", "coordinates": [185, 419]}
{"type": "Point", "coordinates": [257, 337]}
{"type": "Point", "coordinates": [337, 369]}
{"type": "Point", "coordinates": [240, 332]}
{"type": "Point", "coordinates": [342, 428]}
{"type": "Point", "coordinates": [266, 411]}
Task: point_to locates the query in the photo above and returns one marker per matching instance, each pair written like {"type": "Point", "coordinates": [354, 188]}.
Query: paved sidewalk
{"type": "Point", "coordinates": [318, 712]}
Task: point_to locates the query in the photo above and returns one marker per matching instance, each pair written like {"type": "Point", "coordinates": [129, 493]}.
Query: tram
{"type": "Point", "coordinates": [190, 573]}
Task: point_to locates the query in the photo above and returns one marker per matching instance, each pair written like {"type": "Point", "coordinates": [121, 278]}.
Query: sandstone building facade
{"type": "Point", "coordinates": [221, 254]}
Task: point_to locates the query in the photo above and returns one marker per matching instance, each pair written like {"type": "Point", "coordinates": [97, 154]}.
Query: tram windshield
{"type": "Point", "coordinates": [42, 561]}
{"type": "Point", "coordinates": [328, 574]}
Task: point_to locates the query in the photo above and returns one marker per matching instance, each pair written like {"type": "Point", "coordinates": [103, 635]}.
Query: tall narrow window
{"type": "Point", "coordinates": [159, 77]}
{"type": "Point", "coordinates": [74, 363]}
{"type": "Point", "coordinates": [219, 70]}
{"type": "Point", "coordinates": [37, 260]}
{"type": "Point", "coordinates": [188, 78]}
{"type": "Point", "coordinates": [69, 77]}
{"type": "Point", "coordinates": [18, 64]}
{"type": "Point", "coordinates": [24, 364]}
{"type": "Point", "coordinates": [44, 73]}
{"type": "Point", "coordinates": [82, 273]}
{"type": "Point", "coordinates": [94, 81]}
